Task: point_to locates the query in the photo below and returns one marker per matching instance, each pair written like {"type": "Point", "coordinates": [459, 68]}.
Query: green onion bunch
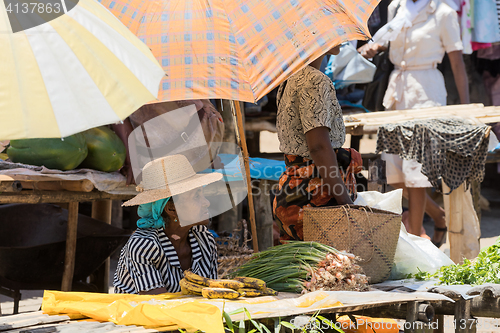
{"type": "Point", "coordinates": [285, 267]}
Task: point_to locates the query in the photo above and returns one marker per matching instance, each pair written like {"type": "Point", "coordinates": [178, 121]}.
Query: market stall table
{"type": "Point", "coordinates": [416, 302]}
{"type": "Point", "coordinates": [169, 312]}
{"type": "Point", "coordinates": [43, 323]}
{"type": "Point", "coordinates": [35, 186]}
{"type": "Point", "coordinates": [461, 219]}
{"type": "Point", "coordinates": [470, 303]}
{"type": "Point", "coordinates": [368, 123]}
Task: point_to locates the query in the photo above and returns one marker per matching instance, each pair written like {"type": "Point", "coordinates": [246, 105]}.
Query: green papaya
{"type": "Point", "coordinates": [106, 150]}
{"type": "Point", "coordinates": [61, 154]}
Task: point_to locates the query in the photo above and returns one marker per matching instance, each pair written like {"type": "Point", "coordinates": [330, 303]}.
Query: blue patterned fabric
{"type": "Point", "coordinates": [260, 168]}
{"type": "Point", "coordinates": [485, 22]}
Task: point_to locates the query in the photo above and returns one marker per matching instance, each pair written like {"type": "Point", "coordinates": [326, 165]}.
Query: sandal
{"type": "Point", "coordinates": [443, 238]}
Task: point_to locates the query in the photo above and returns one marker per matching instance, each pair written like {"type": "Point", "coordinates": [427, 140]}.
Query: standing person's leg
{"type": "Point", "coordinates": [437, 214]}
{"type": "Point", "coordinates": [432, 209]}
{"type": "Point", "coordinates": [406, 214]}
{"type": "Point", "coordinates": [416, 182]}
{"type": "Point", "coordinates": [416, 207]}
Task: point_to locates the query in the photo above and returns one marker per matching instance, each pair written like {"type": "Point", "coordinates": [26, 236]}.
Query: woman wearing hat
{"type": "Point", "coordinates": [171, 235]}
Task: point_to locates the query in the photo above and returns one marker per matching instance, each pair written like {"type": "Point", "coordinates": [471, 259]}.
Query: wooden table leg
{"type": "Point", "coordinates": [101, 210]}
{"type": "Point", "coordinates": [464, 322]}
{"type": "Point", "coordinates": [412, 325]}
{"type": "Point", "coordinates": [439, 319]}
{"type": "Point", "coordinates": [264, 214]}
{"type": "Point", "coordinates": [377, 179]}
{"type": "Point", "coordinates": [69, 259]}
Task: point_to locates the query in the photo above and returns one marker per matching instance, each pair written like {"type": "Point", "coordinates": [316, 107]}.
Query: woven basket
{"type": "Point", "coordinates": [230, 254]}
{"type": "Point", "coordinates": [372, 234]}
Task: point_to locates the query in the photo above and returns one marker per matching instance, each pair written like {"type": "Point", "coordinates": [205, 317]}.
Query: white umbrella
{"type": "Point", "coordinates": [80, 70]}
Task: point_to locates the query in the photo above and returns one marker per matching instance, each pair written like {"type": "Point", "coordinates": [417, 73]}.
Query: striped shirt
{"type": "Point", "coordinates": [149, 260]}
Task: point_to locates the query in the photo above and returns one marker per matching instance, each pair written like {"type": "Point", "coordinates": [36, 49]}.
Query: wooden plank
{"type": "Point", "coordinates": [375, 119]}
{"type": "Point", "coordinates": [485, 307]}
{"type": "Point", "coordinates": [28, 177]}
{"type": "Point", "coordinates": [11, 186]}
{"type": "Point", "coordinates": [69, 259]}
{"type": "Point", "coordinates": [58, 196]}
{"type": "Point", "coordinates": [251, 211]}
{"type": "Point", "coordinates": [59, 185]}
{"type": "Point", "coordinates": [463, 319]}
{"type": "Point", "coordinates": [425, 312]}
{"type": "Point", "coordinates": [264, 214]}
{"type": "Point", "coordinates": [29, 319]}
{"type": "Point", "coordinates": [439, 320]}
{"type": "Point", "coordinates": [376, 175]}
{"type": "Point", "coordinates": [411, 317]}
{"type": "Point", "coordinates": [101, 210]}
{"type": "Point", "coordinates": [339, 309]}
{"type": "Point", "coordinates": [401, 298]}
{"type": "Point", "coordinates": [489, 119]}
{"type": "Point", "coordinates": [449, 109]}
{"type": "Point", "coordinates": [454, 221]}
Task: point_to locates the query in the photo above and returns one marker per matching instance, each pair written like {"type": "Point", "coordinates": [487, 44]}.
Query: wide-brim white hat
{"type": "Point", "coordinates": [168, 176]}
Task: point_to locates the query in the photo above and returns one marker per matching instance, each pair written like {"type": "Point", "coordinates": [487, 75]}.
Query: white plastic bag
{"type": "Point", "coordinates": [390, 201]}
{"type": "Point", "coordinates": [414, 253]}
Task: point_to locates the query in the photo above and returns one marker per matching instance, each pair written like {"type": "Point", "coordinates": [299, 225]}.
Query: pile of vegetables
{"type": "Point", "coordinates": [484, 269]}
{"type": "Point", "coordinates": [339, 271]}
{"type": "Point", "coordinates": [97, 148]}
{"type": "Point", "coordinates": [305, 266]}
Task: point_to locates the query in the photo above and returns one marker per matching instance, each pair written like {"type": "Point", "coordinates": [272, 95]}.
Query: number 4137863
{"type": "Point", "coordinates": [34, 7]}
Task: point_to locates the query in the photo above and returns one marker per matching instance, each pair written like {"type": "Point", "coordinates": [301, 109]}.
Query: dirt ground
{"type": "Point", "coordinates": [490, 231]}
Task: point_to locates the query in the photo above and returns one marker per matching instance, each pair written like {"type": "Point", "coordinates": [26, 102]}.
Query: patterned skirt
{"type": "Point", "coordinates": [301, 186]}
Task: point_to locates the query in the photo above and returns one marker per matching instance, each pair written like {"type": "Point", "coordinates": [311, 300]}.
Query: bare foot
{"type": "Point", "coordinates": [423, 234]}
{"type": "Point", "coordinates": [406, 221]}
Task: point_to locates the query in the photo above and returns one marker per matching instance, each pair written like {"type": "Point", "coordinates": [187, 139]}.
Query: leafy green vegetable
{"type": "Point", "coordinates": [484, 269]}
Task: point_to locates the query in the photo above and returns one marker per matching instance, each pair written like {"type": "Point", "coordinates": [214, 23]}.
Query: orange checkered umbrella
{"type": "Point", "coordinates": [238, 49]}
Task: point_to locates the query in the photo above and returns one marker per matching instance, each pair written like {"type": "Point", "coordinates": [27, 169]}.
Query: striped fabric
{"type": "Point", "coordinates": [238, 49]}
{"type": "Point", "coordinates": [149, 261]}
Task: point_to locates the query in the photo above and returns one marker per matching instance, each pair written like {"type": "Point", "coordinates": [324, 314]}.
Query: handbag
{"type": "Point", "coordinates": [375, 90]}
{"type": "Point", "coordinates": [369, 233]}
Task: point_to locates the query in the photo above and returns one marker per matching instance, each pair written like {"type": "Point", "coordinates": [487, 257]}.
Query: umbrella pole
{"type": "Point", "coordinates": [240, 134]}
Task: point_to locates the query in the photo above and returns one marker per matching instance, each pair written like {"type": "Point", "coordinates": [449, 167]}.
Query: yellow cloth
{"type": "Point", "coordinates": [143, 310]}
{"type": "Point", "coordinates": [173, 311]}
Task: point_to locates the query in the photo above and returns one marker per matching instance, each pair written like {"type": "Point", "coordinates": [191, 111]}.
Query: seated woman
{"type": "Point", "coordinates": [311, 133]}
{"type": "Point", "coordinates": [172, 235]}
